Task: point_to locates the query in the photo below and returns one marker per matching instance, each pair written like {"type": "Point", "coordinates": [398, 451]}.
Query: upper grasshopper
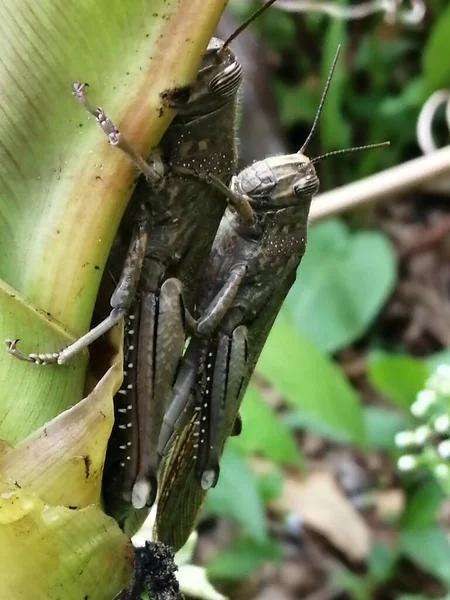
{"type": "Point", "coordinates": [249, 273]}
{"type": "Point", "coordinates": [169, 227]}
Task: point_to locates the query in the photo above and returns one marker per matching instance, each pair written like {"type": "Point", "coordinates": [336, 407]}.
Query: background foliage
{"type": "Point", "coordinates": [342, 367]}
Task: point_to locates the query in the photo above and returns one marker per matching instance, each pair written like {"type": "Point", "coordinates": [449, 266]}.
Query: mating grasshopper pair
{"type": "Point", "coordinates": [251, 266]}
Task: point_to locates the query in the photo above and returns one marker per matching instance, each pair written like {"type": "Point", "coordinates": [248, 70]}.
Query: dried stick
{"type": "Point", "coordinates": [383, 186]}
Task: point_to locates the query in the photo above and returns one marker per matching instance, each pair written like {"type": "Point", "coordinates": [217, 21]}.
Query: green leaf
{"type": "Point", "coordinates": [270, 485]}
{"type": "Point", "coordinates": [395, 107]}
{"type": "Point", "coordinates": [236, 495]}
{"type": "Point", "coordinates": [296, 419]}
{"type": "Point", "coordinates": [436, 68]}
{"type": "Point", "coordinates": [263, 433]}
{"type": "Point", "coordinates": [342, 284]}
{"type": "Point", "coordinates": [242, 558]}
{"type": "Point", "coordinates": [397, 376]}
{"type": "Point", "coordinates": [309, 381]}
{"type": "Point", "coordinates": [429, 548]}
{"type": "Point", "coordinates": [381, 426]}
{"type": "Point", "coordinates": [31, 395]}
{"type": "Point", "coordinates": [382, 561]}
{"type": "Point", "coordinates": [423, 505]}
{"type": "Point", "coordinates": [63, 187]}
{"type": "Point", "coordinates": [334, 127]}
{"type": "Point", "coordinates": [355, 586]}
{"type": "Point", "coordinates": [296, 104]}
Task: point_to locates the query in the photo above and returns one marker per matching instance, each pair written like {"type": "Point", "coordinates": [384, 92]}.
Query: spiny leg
{"type": "Point", "coordinates": [160, 346]}
{"type": "Point", "coordinates": [120, 302]}
{"type": "Point", "coordinates": [154, 173]}
{"type": "Point", "coordinates": [225, 368]}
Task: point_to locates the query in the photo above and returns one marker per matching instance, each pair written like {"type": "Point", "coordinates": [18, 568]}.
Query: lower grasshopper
{"type": "Point", "coordinates": [171, 227]}
{"type": "Point", "coordinates": [249, 273]}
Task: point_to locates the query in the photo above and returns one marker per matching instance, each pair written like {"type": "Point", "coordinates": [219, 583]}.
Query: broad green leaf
{"type": "Point", "coordinates": [264, 433]}
{"type": "Point", "coordinates": [423, 505]}
{"type": "Point", "coordinates": [395, 107]}
{"type": "Point", "coordinates": [242, 558]}
{"type": "Point", "coordinates": [309, 381]}
{"type": "Point", "coordinates": [436, 68]}
{"type": "Point", "coordinates": [70, 554]}
{"type": "Point", "coordinates": [31, 395]}
{"type": "Point", "coordinates": [429, 548]}
{"type": "Point", "coordinates": [382, 561]}
{"type": "Point", "coordinates": [381, 426]}
{"type": "Point", "coordinates": [296, 419]}
{"type": "Point", "coordinates": [63, 187]}
{"type": "Point", "coordinates": [355, 586]}
{"type": "Point", "coordinates": [62, 462]}
{"type": "Point", "coordinates": [270, 485]}
{"type": "Point", "coordinates": [342, 284]}
{"type": "Point", "coordinates": [296, 104]}
{"type": "Point", "coordinates": [50, 486]}
{"type": "Point", "coordinates": [397, 376]}
{"type": "Point", "coordinates": [236, 495]}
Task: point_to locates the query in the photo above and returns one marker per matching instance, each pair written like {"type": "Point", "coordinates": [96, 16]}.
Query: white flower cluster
{"type": "Point", "coordinates": [429, 444]}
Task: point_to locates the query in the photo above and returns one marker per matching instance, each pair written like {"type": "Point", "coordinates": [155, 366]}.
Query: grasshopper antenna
{"type": "Point", "coordinates": [348, 150]}
{"type": "Point", "coordinates": [246, 23]}
{"type": "Point", "coordinates": [322, 100]}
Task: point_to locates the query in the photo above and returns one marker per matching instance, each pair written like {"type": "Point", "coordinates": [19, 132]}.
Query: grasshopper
{"type": "Point", "coordinates": [249, 273]}
{"type": "Point", "coordinates": [171, 227]}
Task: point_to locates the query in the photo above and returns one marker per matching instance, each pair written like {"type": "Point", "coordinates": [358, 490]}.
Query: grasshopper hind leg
{"type": "Point", "coordinates": [223, 375]}
{"type": "Point", "coordinates": [120, 302]}
{"type": "Point", "coordinates": [160, 346]}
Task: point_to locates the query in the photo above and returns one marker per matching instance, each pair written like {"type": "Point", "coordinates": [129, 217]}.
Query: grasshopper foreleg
{"type": "Point", "coordinates": [154, 172]}
{"type": "Point", "coordinates": [120, 302]}
{"type": "Point", "coordinates": [221, 304]}
{"type": "Point", "coordinates": [240, 202]}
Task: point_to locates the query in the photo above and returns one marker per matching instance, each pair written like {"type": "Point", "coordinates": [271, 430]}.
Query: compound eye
{"type": "Point", "coordinates": [227, 82]}
{"type": "Point", "coordinates": [308, 185]}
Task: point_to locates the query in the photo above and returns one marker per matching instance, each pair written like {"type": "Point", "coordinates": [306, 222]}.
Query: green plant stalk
{"type": "Point", "coordinates": [64, 188]}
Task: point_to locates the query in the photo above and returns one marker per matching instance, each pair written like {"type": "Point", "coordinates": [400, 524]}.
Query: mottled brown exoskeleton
{"type": "Point", "coordinates": [170, 225]}
{"type": "Point", "coordinates": [249, 273]}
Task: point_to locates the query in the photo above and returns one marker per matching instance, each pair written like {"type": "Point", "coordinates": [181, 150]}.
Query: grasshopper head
{"type": "Point", "coordinates": [278, 182]}
{"type": "Point", "coordinates": [220, 74]}
{"type": "Point", "coordinates": [217, 81]}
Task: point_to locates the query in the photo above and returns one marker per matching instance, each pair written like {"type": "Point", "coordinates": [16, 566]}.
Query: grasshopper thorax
{"type": "Point", "coordinates": [217, 82]}
{"type": "Point", "coordinates": [278, 182]}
